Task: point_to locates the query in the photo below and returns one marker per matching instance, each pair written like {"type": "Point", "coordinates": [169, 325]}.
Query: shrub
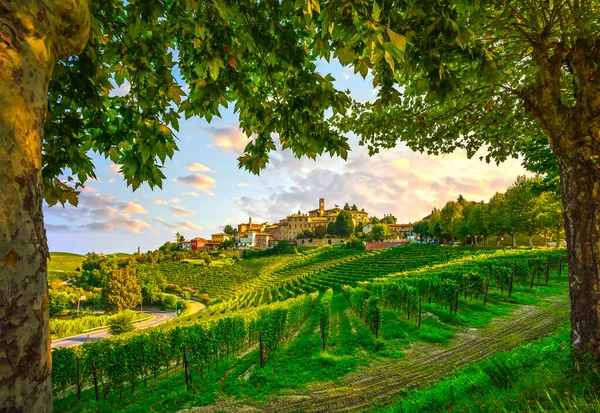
{"type": "Point", "coordinates": [120, 324]}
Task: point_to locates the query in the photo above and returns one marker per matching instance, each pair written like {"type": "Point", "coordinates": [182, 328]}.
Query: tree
{"type": "Point", "coordinates": [375, 220]}
{"type": "Point", "coordinates": [551, 215]}
{"type": "Point", "coordinates": [477, 223]}
{"type": "Point", "coordinates": [354, 207]}
{"type": "Point", "coordinates": [434, 224]}
{"type": "Point", "coordinates": [451, 218]}
{"type": "Point", "coordinates": [120, 324]}
{"type": "Point", "coordinates": [229, 230]}
{"type": "Point", "coordinates": [320, 231]}
{"type": "Point", "coordinates": [346, 207]}
{"type": "Point", "coordinates": [520, 209]}
{"type": "Point", "coordinates": [151, 285]}
{"type": "Point", "coordinates": [422, 229]}
{"type": "Point", "coordinates": [344, 225]}
{"type": "Point", "coordinates": [253, 54]}
{"type": "Point", "coordinates": [497, 216]}
{"type": "Point", "coordinates": [466, 74]}
{"type": "Point", "coordinates": [380, 232]}
{"type": "Point", "coordinates": [331, 229]}
{"type": "Point", "coordinates": [121, 290]}
{"type": "Point", "coordinates": [179, 238]}
{"type": "Point", "coordinates": [390, 220]}
{"type": "Point", "coordinates": [227, 244]}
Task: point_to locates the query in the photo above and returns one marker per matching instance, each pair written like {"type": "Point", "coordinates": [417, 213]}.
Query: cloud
{"type": "Point", "coordinates": [110, 181]}
{"type": "Point", "coordinates": [115, 168]}
{"type": "Point", "coordinates": [133, 208]}
{"type": "Point", "coordinates": [398, 181]}
{"type": "Point", "coordinates": [181, 211]}
{"type": "Point", "coordinates": [132, 225]}
{"type": "Point", "coordinates": [230, 138]}
{"type": "Point", "coordinates": [175, 200]}
{"type": "Point", "coordinates": [159, 202]}
{"type": "Point", "coordinates": [191, 193]}
{"type": "Point", "coordinates": [108, 212]}
{"type": "Point", "coordinates": [201, 182]}
{"type": "Point", "coordinates": [57, 228]}
{"type": "Point", "coordinates": [244, 185]}
{"type": "Point", "coordinates": [180, 226]}
{"type": "Point", "coordinates": [197, 167]}
{"type": "Point", "coordinates": [89, 190]}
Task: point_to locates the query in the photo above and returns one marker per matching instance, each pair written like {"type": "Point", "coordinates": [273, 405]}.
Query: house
{"type": "Point", "coordinates": [404, 230]}
{"type": "Point", "coordinates": [262, 241]}
{"type": "Point", "coordinates": [211, 246]}
{"type": "Point", "coordinates": [245, 241]}
{"type": "Point", "coordinates": [185, 245]}
{"type": "Point", "coordinates": [248, 227]}
{"type": "Point", "coordinates": [197, 243]}
{"type": "Point", "coordinates": [220, 237]}
{"type": "Point", "coordinates": [368, 228]}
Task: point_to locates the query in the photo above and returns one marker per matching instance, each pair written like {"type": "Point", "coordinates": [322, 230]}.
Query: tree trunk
{"type": "Point", "coordinates": [514, 240]}
{"type": "Point", "coordinates": [580, 179]}
{"type": "Point", "coordinates": [530, 241]}
{"type": "Point", "coordinates": [33, 35]}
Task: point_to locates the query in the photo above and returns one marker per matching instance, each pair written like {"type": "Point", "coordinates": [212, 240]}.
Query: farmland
{"type": "Point", "coordinates": [296, 332]}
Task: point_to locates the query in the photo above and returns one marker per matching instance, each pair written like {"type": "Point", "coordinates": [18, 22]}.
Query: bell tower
{"type": "Point", "coordinates": [321, 206]}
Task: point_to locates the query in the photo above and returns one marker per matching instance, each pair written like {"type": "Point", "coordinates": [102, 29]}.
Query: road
{"type": "Point", "coordinates": [159, 318]}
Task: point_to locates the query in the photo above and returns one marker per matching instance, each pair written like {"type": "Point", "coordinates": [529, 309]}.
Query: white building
{"type": "Point", "coordinates": [246, 241]}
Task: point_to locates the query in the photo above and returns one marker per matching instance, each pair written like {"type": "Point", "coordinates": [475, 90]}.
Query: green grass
{"type": "Point", "coordinates": [61, 264]}
{"type": "Point", "coordinates": [302, 364]}
{"type": "Point", "coordinates": [536, 377]}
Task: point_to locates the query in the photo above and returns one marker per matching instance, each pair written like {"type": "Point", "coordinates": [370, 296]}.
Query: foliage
{"type": "Point", "coordinates": [331, 229]}
{"type": "Point", "coordinates": [227, 244]}
{"type": "Point", "coordinates": [120, 324]}
{"type": "Point", "coordinates": [344, 225]}
{"type": "Point", "coordinates": [229, 230]}
{"type": "Point", "coordinates": [380, 232]}
{"type": "Point", "coordinates": [69, 327]}
{"type": "Point", "coordinates": [320, 231]}
{"type": "Point", "coordinates": [121, 290]}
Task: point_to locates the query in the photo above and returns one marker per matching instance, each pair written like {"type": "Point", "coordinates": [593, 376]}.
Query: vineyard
{"type": "Point", "coordinates": [311, 317]}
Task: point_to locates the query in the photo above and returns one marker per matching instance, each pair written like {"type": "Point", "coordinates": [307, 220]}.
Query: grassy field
{"type": "Point", "coordinates": [357, 370]}
{"type": "Point", "coordinates": [62, 263]}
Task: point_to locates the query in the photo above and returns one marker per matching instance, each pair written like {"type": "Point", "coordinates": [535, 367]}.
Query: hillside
{"type": "Point", "coordinates": [61, 263]}
{"type": "Point", "coordinates": [278, 341]}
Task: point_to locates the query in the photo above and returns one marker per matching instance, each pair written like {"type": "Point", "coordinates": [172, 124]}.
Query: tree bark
{"type": "Point", "coordinates": [33, 36]}
{"type": "Point", "coordinates": [580, 178]}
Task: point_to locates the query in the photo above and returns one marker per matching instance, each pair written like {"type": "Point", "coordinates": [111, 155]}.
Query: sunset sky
{"type": "Point", "coordinates": [205, 190]}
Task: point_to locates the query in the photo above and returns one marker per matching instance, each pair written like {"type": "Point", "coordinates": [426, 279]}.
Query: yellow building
{"type": "Point", "coordinates": [220, 237]}
{"type": "Point", "coordinates": [294, 224]}
{"type": "Point", "coordinates": [248, 227]}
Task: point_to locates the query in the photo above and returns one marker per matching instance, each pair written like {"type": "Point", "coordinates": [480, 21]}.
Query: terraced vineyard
{"type": "Point", "coordinates": [334, 267]}
{"type": "Point", "coordinates": [219, 281]}
{"type": "Point", "coordinates": [257, 346]}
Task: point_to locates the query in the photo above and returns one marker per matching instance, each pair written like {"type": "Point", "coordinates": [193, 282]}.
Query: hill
{"type": "Point", "coordinates": [332, 328]}
{"type": "Point", "coordinates": [62, 263]}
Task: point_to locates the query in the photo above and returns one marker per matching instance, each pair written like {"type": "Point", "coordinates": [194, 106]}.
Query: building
{"type": "Point", "coordinates": [197, 243]}
{"type": "Point", "coordinates": [245, 241]}
{"type": "Point", "coordinates": [211, 246]}
{"type": "Point", "coordinates": [403, 230]}
{"type": "Point", "coordinates": [247, 227]}
{"type": "Point", "coordinates": [185, 245]}
{"type": "Point", "coordinates": [294, 224]}
{"type": "Point", "coordinates": [220, 237]}
{"type": "Point", "coordinates": [261, 241]}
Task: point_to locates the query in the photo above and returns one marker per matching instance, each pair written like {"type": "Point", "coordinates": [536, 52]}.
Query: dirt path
{"type": "Point", "coordinates": [422, 364]}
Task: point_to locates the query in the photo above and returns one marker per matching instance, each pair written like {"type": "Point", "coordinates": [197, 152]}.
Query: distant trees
{"type": "Point", "coordinates": [390, 220]}
{"type": "Point", "coordinates": [320, 231]}
{"type": "Point", "coordinates": [380, 232]}
{"type": "Point", "coordinates": [227, 244]}
{"type": "Point", "coordinates": [179, 238]}
{"type": "Point", "coordinates": [229, 230]}
{"type": "Point", "coordinates": [421, 228]}
{"type": "Point", "coordinates": [121, 290]}
{"type": "Point", "coordinates": [331, 229]}
{"type": "Point", "coordinates": [520, 210]}
{"type": "Point", "coordinates": [344, 226]}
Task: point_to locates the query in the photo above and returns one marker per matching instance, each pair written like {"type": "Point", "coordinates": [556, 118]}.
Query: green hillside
{"type": "Point", "coordinates": [332, 328]}
{"type": "Point", "coordinates": [61, 264]}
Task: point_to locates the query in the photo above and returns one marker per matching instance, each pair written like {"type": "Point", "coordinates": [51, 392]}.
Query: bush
{"type": "Point", "coordinates": [120, 324]}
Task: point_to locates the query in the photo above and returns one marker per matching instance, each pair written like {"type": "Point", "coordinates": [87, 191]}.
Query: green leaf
{"type": "Point", "coordinates": [390, 60]}
{"type": "Point", "coordinates": [397, 40]}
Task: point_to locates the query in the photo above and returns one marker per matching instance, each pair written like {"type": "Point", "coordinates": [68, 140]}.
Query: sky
{"type": "Point", "coordinates": [205, 190]}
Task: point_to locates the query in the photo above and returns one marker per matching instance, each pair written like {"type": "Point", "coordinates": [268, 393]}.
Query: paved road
{"type": "Point", "coordinates": [159, 318]}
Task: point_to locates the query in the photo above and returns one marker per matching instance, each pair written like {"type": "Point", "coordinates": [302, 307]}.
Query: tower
{"type": "Point", "coordinates": [321, 206]}
{"type": "Point", "coordinates": [250, 222]}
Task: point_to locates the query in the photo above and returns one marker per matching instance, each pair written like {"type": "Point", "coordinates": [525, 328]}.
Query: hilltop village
{"type": "Point", "coordinates": [319, 227]}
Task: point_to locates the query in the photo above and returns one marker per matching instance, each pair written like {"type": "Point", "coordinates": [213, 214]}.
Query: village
{"type": "Point", "coordinates": [317, 227]}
